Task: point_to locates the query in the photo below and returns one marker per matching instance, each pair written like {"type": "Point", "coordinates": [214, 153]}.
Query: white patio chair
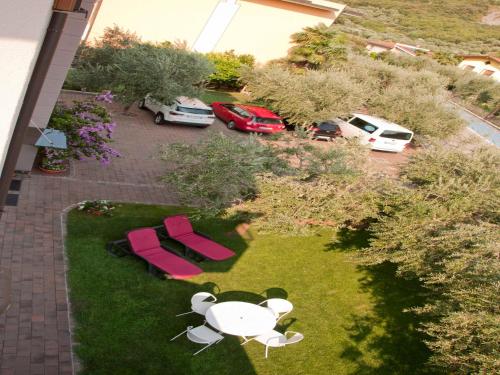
{"type": "Point", "coordinates": [279, 307]}
{"type": "Point", "coordinates": [201, 335]}
{"type": "Point", "coordinates": [199, 303]}
{"type": "Point", "coordinates": [277, 339]}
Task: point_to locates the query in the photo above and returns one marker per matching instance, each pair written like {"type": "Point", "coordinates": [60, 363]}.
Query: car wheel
{"type": "Point", "coordinates": [159, 119]}
{"type": "Point", "coordinates": [231, 125]}
{"type": "Point", "coordinates": [142, 104]}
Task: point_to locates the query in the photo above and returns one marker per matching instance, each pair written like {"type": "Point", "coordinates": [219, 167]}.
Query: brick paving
{"type": "Point", "coordinates": [35, 331]}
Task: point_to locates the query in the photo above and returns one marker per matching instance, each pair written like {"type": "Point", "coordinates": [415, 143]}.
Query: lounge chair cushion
{"type": "Point", "coordinates": [177, 225]}
{"type": "Point", "coordinates": [207, 248]}
{"type": "Point", "coordinates": [143, 241]}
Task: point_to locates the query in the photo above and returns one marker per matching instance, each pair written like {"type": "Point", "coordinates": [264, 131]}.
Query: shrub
{"type": "Point", "coordinates": [443, 228]}
{"type": "Point", "coordinates": [88, 130]}
{"type": "Point", "coordinates": [227, 69]}
{"type": "Point", "coordinates": [142, 69]}
{"type": "Point", "coordinates": [304, 98]}
{"type": "Point", "coordinates": [217, 171]}
{"type": "Point", "coordinates": [318, 46]}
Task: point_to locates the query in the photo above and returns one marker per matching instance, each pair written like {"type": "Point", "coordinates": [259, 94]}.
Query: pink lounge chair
{"type": "Point", "coordinates": [145, 244]}
{"type": "Point", "coordinates": [179, 229]}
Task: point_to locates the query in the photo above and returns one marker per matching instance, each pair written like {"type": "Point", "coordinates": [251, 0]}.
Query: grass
{"type": "Point", "coordinates": [353, 318]}
{"type": "Point", "coordinates": [210, 96]}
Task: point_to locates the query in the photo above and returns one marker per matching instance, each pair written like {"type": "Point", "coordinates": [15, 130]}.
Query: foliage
{"type": "Point", "coordinates": [412, 98]}
{"type": "Point", "coordinates": [446, 58]}
{"type": "Point", "coordinates": [132, 69]}
{"type": "Point", "coordinates": [328, 188]}
{"type": "Point", "coordinates": [163, 73]}
{"type": "Point", "coordinates": [227, 69]}
{"type": "Point", "coordinates": [443, 229]}
{"type": "Point", "coordinates": [97, 208]}
{"type": "Point", "coordinates": [102, 50]}
{"type": "Point", "coordinates": [88, 129]}
{"type": "Point", "coordinates": [316, 47]}
{"type": "Point", "coordinates": [217, 171]}
{"type": "Point", "coordinates": [308, 97]}
{"type": "Point", "coordinates": [356, 316]}
{"type": "Point", "coordinates": [451, 25]}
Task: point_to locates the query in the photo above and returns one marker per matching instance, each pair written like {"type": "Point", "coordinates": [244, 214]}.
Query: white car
{"type": "Point", "coordinates": [376, 132]}
{"type": "Point", "coordinates": [188, 111]}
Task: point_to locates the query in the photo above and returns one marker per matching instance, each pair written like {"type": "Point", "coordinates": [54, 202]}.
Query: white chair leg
{"type": "Point", "coordinates": [202, 349]}
{"type": "Point", "coordinates": [277, 320]}
{"type": "Point", "coordinates": [267, 349]}
{"type": "Point", "coordinates": [189, 312]}
{"type": "Point", "coordinates": [180, 334]}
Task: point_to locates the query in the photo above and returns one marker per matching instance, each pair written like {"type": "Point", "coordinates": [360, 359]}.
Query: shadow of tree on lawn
{"type": "Point", "coordinates": [390, 332]}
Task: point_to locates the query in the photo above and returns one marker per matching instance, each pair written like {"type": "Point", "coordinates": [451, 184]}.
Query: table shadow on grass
{"type": "Point", "coordinates": [389, 331]}
{"type": "Point", "coordinates": [126, 317]}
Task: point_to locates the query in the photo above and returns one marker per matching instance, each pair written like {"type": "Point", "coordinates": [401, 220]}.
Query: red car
{"type": "Point", "coordinates": [248, 118]}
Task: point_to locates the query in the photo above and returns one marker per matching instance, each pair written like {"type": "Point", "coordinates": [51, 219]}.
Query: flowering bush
{"type": "Point", "coordinates": [97, 208]}
{"type": "Point", "coordinates": [88, 128]}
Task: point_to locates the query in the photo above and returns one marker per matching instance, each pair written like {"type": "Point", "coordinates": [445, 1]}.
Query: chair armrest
{"type": "Point", "coordinates": [118, 248]}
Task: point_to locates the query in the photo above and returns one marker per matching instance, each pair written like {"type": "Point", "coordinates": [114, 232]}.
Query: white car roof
{"type": "Point", "coordinates": [381, 123]}
{"type": "Point", "coordinates": [191, 102]}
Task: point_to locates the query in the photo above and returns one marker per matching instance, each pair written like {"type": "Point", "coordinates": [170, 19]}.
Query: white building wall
{"type": "Point", "coordinates": [480, 66]}
{"type": "Point", "coordinates": [23, 26]}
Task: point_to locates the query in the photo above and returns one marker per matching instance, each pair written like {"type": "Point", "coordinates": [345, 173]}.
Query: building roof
{"type": "Point", "coordinates": [486, 57]}
{"type": "Point", "coordinates": [381, 123]}
{"type": "Point", "coordinates": [320, 4]}
{"type": "Point", "coordinates": [382, 43]}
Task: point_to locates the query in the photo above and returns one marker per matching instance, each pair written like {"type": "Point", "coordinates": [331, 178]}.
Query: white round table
{"type": "Point", "coordinates": [240, 318]}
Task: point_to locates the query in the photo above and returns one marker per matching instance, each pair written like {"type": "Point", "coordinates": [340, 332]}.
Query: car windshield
{"type": "Point", "coordinates": [194, 111]}
{"type": "Point", "coordinates": [396, 135]}
{"type": "Point", "coordinates": [328, 126]}
{"type": "Point", "coordinates": [267, 120]}
{"type": "Point", "coordinates": [363, 125]}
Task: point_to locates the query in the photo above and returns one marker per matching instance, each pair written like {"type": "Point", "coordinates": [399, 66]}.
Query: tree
{"type": "Point", "coordinates": [442, 227]}
{"type": "Point", "coordinates": [142, 69]}
{"type": "Point", "coordinates": [304, 98]}
{"type": "Point", "coordinates": [316, 47]}
{"type": "Point", "coordinates": [217, 171]}
{"type": "Point", "coordinates": [227, 69]}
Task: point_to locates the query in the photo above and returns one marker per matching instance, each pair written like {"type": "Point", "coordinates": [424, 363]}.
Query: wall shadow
{"type": "Point", "coordinates": [390, 332]}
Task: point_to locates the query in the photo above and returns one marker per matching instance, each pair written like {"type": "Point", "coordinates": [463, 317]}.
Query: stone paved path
{"type": "Point", "coordinates": [34, 331]}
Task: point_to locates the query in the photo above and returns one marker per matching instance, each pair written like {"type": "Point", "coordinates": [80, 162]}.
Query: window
{"type": "Point", "coordinates": [194, 111]}
{"type": "Point", "coordinates": [396, 135]}
{"type": "Point", "coordinates": [487, 72]}
{"type": "Point", "coordinates": [266, 120]}
{"type": "Point", "coordinates": [363, 125]}
{"type": "Point", "coordinates": [240, 111]}
{"type": "Point", "coordinates": [328, 126]}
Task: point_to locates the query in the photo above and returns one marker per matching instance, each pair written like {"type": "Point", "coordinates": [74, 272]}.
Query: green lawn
{"type": "Point", "coordinates": [352, 317]}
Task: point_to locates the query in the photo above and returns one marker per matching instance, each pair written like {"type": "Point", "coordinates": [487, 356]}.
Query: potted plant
{"type": "Point", "coordinates": [52, 161]}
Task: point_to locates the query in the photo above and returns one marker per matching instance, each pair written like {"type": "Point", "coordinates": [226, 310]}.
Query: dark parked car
{"type": "Point", "coordinates": [326, 130]}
